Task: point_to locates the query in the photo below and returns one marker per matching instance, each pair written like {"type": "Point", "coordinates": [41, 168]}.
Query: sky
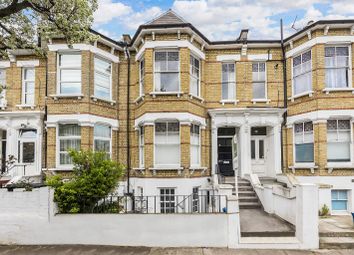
{"type": "Point", "coordinates": [220, 19]}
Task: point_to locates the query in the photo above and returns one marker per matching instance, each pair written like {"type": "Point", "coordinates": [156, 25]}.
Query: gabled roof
{"type": "Point", "coordinates": [169, 17]}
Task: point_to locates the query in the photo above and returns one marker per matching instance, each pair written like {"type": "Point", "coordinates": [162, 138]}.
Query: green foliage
{"type": "Point", "coordinates": [94, 177]}
{"type": "Point", "coordinates": [324, 211]}
{"type": "Point", "coordinates": [21, 22]}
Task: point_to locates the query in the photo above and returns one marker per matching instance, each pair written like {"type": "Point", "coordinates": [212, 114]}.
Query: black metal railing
{"type": "Point", "coordinates": [176, 204]}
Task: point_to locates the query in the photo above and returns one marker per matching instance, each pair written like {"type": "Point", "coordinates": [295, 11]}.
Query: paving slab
{"type": "Point", "coordinates": [258, 221]}
{"type": "Point", "coordinates": [336, 224]}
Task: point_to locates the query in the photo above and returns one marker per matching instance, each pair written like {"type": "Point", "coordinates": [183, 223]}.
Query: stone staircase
{"type": "Point", "coordinates": [247, 196]}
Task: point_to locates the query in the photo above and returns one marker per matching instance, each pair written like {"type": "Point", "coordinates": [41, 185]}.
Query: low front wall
{"type": "Point", "coordinates": [28, 218]}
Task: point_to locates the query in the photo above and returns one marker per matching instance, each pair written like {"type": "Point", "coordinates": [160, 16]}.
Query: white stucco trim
{"type": "Point", "coordinates": [259, 57]}
{"type": "Point", "coordinates": [320, 115]}
{"type": "Point", "coordinates": [230, 57]}
{"type": "Point", "coordinates": [319, 40]}
{"type": "Point", "coordinates": [79, 46]}
{"type": "Point", "coordinates": [4, 64]}
{"type": "Point", "coordinates": [182, 117]}
{"type": "Point", "coordinates": [169, 44]}
{"type": "Point", "coordinates": [81, 119]}
{"type": "Point", "coordinates": [27, 63]}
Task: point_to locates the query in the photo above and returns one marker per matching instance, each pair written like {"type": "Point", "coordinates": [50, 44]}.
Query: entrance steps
{"type": "Point", "coordinates": [246, 195]}
{"type": "Point", "coordinates": [337, 240]}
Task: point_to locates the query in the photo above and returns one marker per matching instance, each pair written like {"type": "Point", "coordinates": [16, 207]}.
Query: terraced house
{"type": "Point", "coordinates": [178, 109]}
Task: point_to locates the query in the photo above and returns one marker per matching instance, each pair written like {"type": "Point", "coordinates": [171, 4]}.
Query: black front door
{"type": "Point", "coordinates": [225, 156]}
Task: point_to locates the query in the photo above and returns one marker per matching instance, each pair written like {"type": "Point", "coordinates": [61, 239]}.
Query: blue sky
{"type": "Point", "coordinates": [220, 19]}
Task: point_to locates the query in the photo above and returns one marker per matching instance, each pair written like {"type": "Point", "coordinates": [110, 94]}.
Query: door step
{"type": "Point", "coordinates": [253, 199]}
{"type": "Point", "coordinates": [249, 205]}
{"type": "Point", "coordinates": [269, 234]}
{"type": "Point", "coordinates": [336, 242]}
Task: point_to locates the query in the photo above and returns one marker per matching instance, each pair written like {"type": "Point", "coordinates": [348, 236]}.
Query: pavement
{"type": "Point", "coordinates": [336, 224]}
{"type": "Point", "coordinates": [114, 250]}
{"type": "Point", "coordinates": [255, 221]}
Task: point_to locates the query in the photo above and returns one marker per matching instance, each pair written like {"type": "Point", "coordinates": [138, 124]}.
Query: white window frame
{"type": "Point", "coordinates": [58, 152]}
{"type": "Point", "coordinates": [329, 163]}
{"type": "Point", "coordinates": [178, 72]}
{"type": "Point", "coordinates": [168, 166]}
{"type": "Point", "coordinates": [24, 86]}
{"type": "Point", "coordinates": [3, 93]}
{"type": "Point", "coordinates": [196, 145]}
{"type": "Point", "coordinates": [22, 140]}
{"type": "Point", "coordinates": [350, 78]}
{"type": "Point", "coordinates": [304, 164]}
{"type": "Point", "coordinates": [230, 83]}
{"type": "Point", "coordinates": [101, 138]}
{"type": "Point", "coordinates": [260, 81]}
{"type": "Point", "coordinates": [59, 68]}
{"type": "Point", "coordinates": [141, 142]}
{"type": "Point", "coordinates": [141, 77]}
{"type": "Point", "coordinates": [310, 91]}
{"type": "Point", "coordinates": [110, 78]}
{"type": "Point", "coordinates": [347, 201]}
{"type": "Point", "coordinates": [192, 56]}
{"type": "Point", "coordinates": [168, 201]}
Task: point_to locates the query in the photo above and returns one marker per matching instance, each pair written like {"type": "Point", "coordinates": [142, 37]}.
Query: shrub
{"type": "Point", "coordinates": [324, 211]}
{"type": "Point", "coordinates": [94, 178]}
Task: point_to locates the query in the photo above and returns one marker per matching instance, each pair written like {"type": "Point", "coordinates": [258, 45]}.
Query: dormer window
{"type": "Point", "coordinates": [166, 71]}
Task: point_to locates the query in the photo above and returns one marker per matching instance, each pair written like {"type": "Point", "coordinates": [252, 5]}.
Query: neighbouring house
{"type": "Point", "coordinates": [178, 109]}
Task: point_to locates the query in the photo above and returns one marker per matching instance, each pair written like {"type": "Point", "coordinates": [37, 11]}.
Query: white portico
{"type": "Point", "coordinates": [256, 140]}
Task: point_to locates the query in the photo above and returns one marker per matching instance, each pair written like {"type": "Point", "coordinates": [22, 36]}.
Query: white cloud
{"type": "Point", "coordinates": [108, 10]}
{"type": "Point", "coordinates": [223, 19]}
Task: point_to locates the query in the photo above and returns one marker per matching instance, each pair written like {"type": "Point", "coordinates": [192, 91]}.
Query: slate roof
{"type": "Point", "coordinates": [167, 18]}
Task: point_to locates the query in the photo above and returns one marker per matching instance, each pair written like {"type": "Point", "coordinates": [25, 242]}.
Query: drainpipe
{"type": "Point", "coordinates": [127, 55]}
{"type": "Point", "coordinates": [45, 115]}
{"type": "Point", "coordinates": [285, 93]}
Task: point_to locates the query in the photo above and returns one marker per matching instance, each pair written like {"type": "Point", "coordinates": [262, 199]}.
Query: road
{"type": "Point", "coordinates": [113, 250]}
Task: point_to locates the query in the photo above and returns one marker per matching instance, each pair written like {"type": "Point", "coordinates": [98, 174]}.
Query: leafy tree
{"type": "Point", "coordinates": [22, 21]}
{"type": "Point", "coordinates": [94, 177]}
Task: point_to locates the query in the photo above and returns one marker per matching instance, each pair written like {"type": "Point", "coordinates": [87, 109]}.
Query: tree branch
{"type": "Point", "coordinates": [13, 8]}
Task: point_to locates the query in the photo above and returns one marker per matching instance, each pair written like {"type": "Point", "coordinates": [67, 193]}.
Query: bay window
{"type": "Point", "coordinates": [302, 73]}
{"type": "Point", "coordinates": [259, 80]}
{"type": "Point", "coordinates": [194, 74]}
{"type": "Point", "coordinates": [167, 144]}
{"type": "Point", "coordinates": [195, 145]}
{"type": "Point", "coordinates": [103, 78]}
{"type": "Point", "coordinates": [102, 139]}
{"type": "Point", "coordinates": [304, 149]}
{"type": "Point", "coordinates": [2, 86]}
{"type": "Point", "coordinates": [228, 81]}
{"type": "Point", "coordinates": [69, 74]}
{"type": "Point", "coordinates": [142, 77]}
{"type": "Point", "coordinates": [337, 66]}
{"type": "Point", "coordinates": [141, 146]}
{"type": "Point", "coordinates": [69, 137]}
{"type": "Point", "coordinates": [166, 71]}
{"type": "Point", "coordinates": [338, 140]}
{"type": "Point", "coordinates": [28, 81]}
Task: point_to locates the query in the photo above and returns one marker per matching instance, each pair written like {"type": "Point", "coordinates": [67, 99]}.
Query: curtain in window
{"type": "Point", "coordinates": [69, 138]}
{"type": "Point", "coordinates": [195, 145]}
{"type": "Point", "coordinates": [258, 78]}
{"type": "Point", "coordinates": [194, 76]}
{"type": "Point", "coordinates": [167, 71]}
{"type": "Point", "coordinates": [141, 146]}
{"type": "Point", "coordinates": [167, 144]}
{"type": "Point", "coordinates": [302, 74]}
{"type": "Point", "coordinates": [102, 139]}
{"type": "Point", "coordinates": [103, 73]}
{"type": "Point", "coordinates": [338, 140]}
{"type": "Point", "coordinates": [70, 73]}
{"type": "Point", "coordinates": [337, 67]}
{"type": "Point", "coordinates": [304, 151]}
{"type": "Point", "coordinates": [228, 81]}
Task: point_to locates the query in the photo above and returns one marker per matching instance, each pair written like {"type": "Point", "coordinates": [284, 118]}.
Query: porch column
{"type": "Point", "coordinates": [245, 150]}
{"type": "Point", "coordinates": [214, 149]}
{"type": "Point", "coordinates": [277, 150]}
